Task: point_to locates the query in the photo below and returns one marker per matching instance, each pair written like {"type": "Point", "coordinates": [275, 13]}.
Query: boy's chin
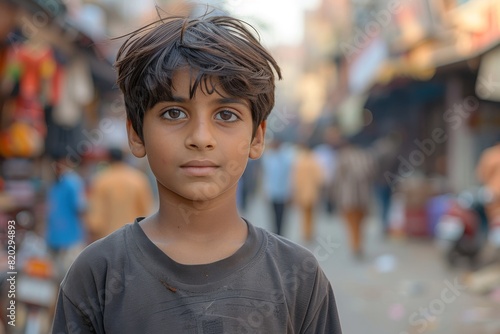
{"type": "Point", "coordinates": [203, 194]}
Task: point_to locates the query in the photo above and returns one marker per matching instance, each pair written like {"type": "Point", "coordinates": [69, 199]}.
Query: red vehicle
{"type": "Point", "coordinates": [460, 230]}
{"type": "Point", "coordinates": [494, 238]}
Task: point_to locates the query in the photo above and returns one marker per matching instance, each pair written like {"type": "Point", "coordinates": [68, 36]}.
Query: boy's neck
{"type": "Point", "coordinates": [197, 232]}
{"type": "Point", "coordinates": [198, 218]}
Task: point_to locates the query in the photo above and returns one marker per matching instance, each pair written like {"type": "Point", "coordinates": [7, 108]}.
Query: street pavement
{"type": "Point", "coordinates": [401, 286]}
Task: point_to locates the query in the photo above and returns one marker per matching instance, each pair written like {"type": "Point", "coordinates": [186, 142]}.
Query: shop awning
{"type": "Point", "coordinates": [488, 77]}
{"type": "Point", "coordinates": [363, 69]}
{"type": "Point", "coordinates": [51, 8]}
{"type": "Point", "coordinates": [350, 114]}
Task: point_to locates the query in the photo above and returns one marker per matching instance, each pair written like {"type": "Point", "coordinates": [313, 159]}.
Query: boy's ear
{"type": "Point", "coordinates": [135, 142]}
{"type": "Point", "coordinates": [258, 141]}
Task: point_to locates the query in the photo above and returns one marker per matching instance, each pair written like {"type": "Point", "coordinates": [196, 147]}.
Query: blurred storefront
{"type": "Point", "coordinates": [438, 71]}
{"type": "Point", "coordinates": [56, 82]}
{"type": "Point", "coordinates": [426, 70]}
{"type": "Point", "coordinates": [440, 75]}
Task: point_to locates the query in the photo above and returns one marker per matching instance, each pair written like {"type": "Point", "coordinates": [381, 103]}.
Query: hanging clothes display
{"type": "Point", "coordinates": [47, 96]}
{"type": "Point", "coordinates": [77, 90]}
{"type": "Point", "coordinates": [30, 72]}
{"type": "Point", "coordinates": [64, 119]}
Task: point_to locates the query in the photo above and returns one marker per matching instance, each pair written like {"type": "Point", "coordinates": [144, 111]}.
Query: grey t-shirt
{"type": "Point", "coordinates": [125, 284]}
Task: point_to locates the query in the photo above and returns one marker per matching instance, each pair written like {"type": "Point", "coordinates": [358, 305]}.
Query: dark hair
{"type": "Point", "coordinates": [220, 50]}
{"type": "Point", "coordinates": [115, 154]}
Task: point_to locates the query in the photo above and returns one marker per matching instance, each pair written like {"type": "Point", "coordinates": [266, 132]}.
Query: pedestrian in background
{"type": "Point", "coordinates": [277, 163]}
{"type": "Point", "coordinates": [353, 188]}
{"type": "Point", "coordinates": [326, 154]}
{"type": "Point", "coordinates": [385, 151]}
{"type": "Point", "coordinates": [307, 179]}
{"type": "Point", "coordinates": [488, 174]}
{"type": "Point", "coordinates": [66, 204]}
{"type": "Point", "coordinates": [248, 184]}
{"type": "Point", "coordinates": [118, 195]}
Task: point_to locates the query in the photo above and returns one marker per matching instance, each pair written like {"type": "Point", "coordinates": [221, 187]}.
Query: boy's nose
{"type": "Point", "coordinates": [200, 136]}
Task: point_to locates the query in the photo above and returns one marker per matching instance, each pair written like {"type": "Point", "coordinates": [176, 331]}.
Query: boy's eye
{"type": "Point", "coordinates": [174, 114]}
{"type": "Point", "coordinates": [227, 116]}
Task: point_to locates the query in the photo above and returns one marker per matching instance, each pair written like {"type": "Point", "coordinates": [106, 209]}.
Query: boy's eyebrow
{"type": "Point", "coordinates": [222, 100]}
{"type": "Point", "coordinates": [231, 100]}
{"type": "Point", "coordinates": [177, 99]}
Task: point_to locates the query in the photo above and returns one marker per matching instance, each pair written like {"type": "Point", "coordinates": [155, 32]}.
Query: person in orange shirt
{"type": "Point", "coordinates": [307, 178]}
{"type": "Point", "coordinates": [117, 196]}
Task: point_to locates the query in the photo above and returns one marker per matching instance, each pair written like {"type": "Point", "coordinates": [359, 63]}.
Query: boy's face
{"type": "Point", "coordinates": [197, 148]}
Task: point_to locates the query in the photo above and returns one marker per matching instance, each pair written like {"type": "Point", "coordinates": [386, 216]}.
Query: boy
{"type": "Point", "coordinates": [197, 94]}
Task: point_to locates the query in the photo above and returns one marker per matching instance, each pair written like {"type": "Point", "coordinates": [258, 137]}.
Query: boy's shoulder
{"type": "Point", "coordinates": [108, 250]}
{"type": "Point", "coordinates": [100, 264]}
{"type": "Point", "coordinates": [288, 252]}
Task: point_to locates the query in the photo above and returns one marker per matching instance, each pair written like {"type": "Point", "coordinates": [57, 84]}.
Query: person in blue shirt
{"type": "Point", "coordinates": [66, 204]}
{"type": "Point", "coordinates": [277, 163]}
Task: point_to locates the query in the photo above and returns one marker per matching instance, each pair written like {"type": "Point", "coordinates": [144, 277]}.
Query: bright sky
{"type": "Point", "coordinates": [283, 17]}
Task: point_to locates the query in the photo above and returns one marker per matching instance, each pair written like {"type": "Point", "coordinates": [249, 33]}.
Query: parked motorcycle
{"type": "Point", "coordinates": [36, 287]}
{"type": "Point", "coordinates": [460, 231]}
{"type": "Point", "coordinates": [28, 282]}
{"type": "Point", "coordinates": [494, 239]}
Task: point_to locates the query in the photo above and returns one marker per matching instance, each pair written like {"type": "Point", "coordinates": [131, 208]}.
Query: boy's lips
{"type": "Point", "coordinates": [199, 167]}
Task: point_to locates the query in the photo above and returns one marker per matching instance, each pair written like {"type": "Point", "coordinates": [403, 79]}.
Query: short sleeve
{"type": "Point", "coordinates": [80, 301]}
{"type": "Point", "coordinates": [69, 319]}
{"type": "Point", "coordinates": [322, 315]}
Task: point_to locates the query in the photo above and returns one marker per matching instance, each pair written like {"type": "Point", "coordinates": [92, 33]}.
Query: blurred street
{"type": "Point", "coordinates": [400, 287]}
{"type": "Point", "coordinates": [391, 108]}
